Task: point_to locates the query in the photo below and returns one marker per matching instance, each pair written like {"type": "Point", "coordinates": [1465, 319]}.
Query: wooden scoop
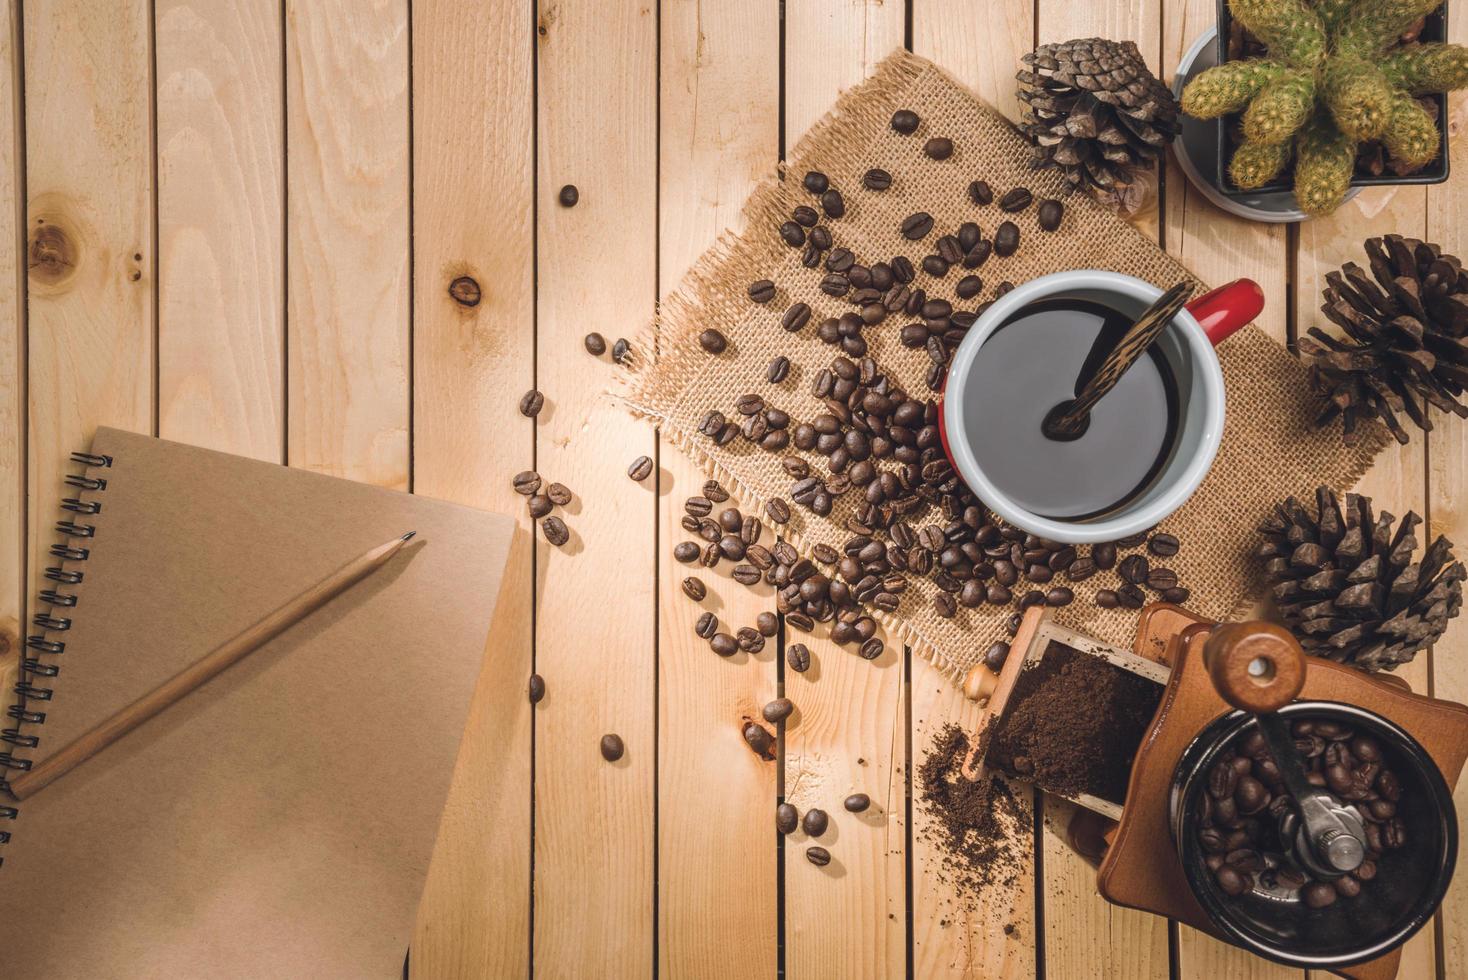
{"type": "Point", "coordinates": [1069, 419]}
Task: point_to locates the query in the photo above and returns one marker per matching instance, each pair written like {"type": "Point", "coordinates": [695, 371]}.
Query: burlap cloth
{"type": "Point", "coordinates": [1269, 449]}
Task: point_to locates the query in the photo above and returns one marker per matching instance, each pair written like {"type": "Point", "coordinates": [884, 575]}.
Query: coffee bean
{"type": "Point", "coordinates": [833, 204]}
{"type": "Point", "coordinates": [1251, 796]}
{"type": "Point", "coordinates": [641, 468]}
{"type": "Point", "coordinates": [746, 575]}
{"type": "Point", "coordinates": [1104, 554]}
{"type": "Point", "coordinates": [1132, 540]}
{"type": "Point", "coordinates": [936, 266]}
{"type": "Point", "coordinates": [698, 506]}
{"type": "Point", "coordinates": [527, 482]}
{"type": "Point", "coordinates": [750, 640]}
{"type": "Point", "coordinates": [1006, 239]}
{"type": "Point", "coordinates": [797, 657]}
{"type": "Point", "coordinates": [686, 552]}
{"type": "Point", "coordinates": [723, 644]}
{"type": "Point", "coordinates": [1231, 882]}
{"type": "Point", "coordinates": [856, 802]}
{"type": "Point", "coordinates": [793, 234]}
{"type": "Point", "coordinates": [1051, 213]}
{"type": "Point", "coordinates": [595, 344]}
{"type": "Point", "coordinates": [694, 588]}
{"type": "Point", "coordinates": [612, 747]}
{"type": "Point", "coordinates": [787, 818]}
{"type": "Point", "coordinates": [620, 350]}
{"type": "Point", "coordinates": [559, 494]}
{"type": "Point", "coordinates": [818, 856]}
{"type": "Point", "coordinates": [1134, 569]}
{"type": "Point", "coordinates": [996, 655]}
{"type": "Point", "coordinates": [1016, 200]}
{"type": "Point", "coordinates": [816, 182]}
{"type": "Point", "coordinates": [767, 623]}
{"type": "Point", "coordinates": [539, 506]}
{"type": "Point", "coordinates": [777, 710]}
{"type": "Point", "coordinates": [797, 316]}
{"type": "Point", "coordinates": [762, 290]}
{"type": "Point", "coordinates": [1176, 595]}
{"type": "Point", "coordinates": [872, 649]}
{"type": "Point", "coordinates": [876, 179]}
{"type": "Point", "coordinates": [1059, 596]}
{"type": "Point", "coordinates": [712, 341]}
{"type": "Point", "coordinates": [760, 741]}
{"type": "Point", "coordinates": [706, 626]}
{"type": "Point", "coordinates": [1107, 599]}
{"type": "Point", "coordinates": [980, 193]}
{"type": "Point", "coordinates": [939, 148]}
{"type": "Point", "coordinates": [916, 225]}
{"type": "Point", "coordinates": [777, 510]}
{"type": "Point", "coordinates": [905, 121]}
{"type": "Point", "coordinates": [999, 595]}
{"type": "Point", "coordinates": [968, 287]}
{"type": "Point", "coordinates": [805, 216]}
{"type": "Point", "coordinates": [1163, 545]}
{"type": "Point", "coordinates": [1131, 597]}
{"type": "Point", "coordinates": [1318, 894]}
{"type": "Point", "coordinates": [945, 605]}
{"type": "Point", "coordinates": [536, 688]}
{"type": "Point", "coordinates": [800, 621]}
{"type": "Point", "coordinates": [555, 530]}
{"type": "Point", "coordinates": [1161, 579]}
{"type": "Point", "coordinates": [815, 822]}
{"type": "Point", "coordinates": [568, 196]}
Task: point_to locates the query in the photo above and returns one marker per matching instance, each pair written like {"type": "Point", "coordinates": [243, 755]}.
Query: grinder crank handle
{"type": "Point", "coordinates": [1256, 666]}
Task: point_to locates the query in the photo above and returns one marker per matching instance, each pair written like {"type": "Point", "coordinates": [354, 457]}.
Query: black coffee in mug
{"type": "Point", "coordinates": [1042, 356]}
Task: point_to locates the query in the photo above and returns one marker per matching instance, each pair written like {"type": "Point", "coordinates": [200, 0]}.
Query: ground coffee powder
{"type": "Point", "coordinates": [1073, 724]}
{"type": "Point", "coordinates": [979, 824]}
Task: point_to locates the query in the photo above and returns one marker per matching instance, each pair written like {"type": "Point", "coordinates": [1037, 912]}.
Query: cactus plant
{"type": "Point", "coordinates": [1332, 80]}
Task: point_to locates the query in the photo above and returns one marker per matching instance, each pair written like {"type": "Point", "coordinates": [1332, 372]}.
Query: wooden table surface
{"type": "Point", "coordinates": [235, 224]}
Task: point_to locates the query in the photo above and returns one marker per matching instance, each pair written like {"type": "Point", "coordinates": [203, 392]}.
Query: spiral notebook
{"type": "Point", "coordinates": [277, 822]}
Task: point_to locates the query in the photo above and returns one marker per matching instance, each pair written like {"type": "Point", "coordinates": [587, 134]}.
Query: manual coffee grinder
{"type": "Point", "coordinates": [1226, 683]}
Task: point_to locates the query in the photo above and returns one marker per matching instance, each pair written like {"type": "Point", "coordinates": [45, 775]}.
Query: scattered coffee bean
{"type": "Point", "coordinates": [762, 290]}
{"type": "Point", "coordinates": [980, 193]}
{"type": "Point", "coordinates": [1176, 595]}
{"type": "Point", "coordinates": [556, 531]}
{"type": "Point", "coordinates": [800, 621]}
{"type": "Point", "coordinates": [968, 287]}
{"type": "Point", "coordinates": [945, 605]}
{"type": "Point", "coordinates": [706, 626]}
{"type": "Point", "coordinates": [641, 468]}
{"type": "Point", "coordinates": [746, 575]}
{"type": "Point", "coordinates": [1059, 596]}
{"type": "Point", "coordinates": [778, 370]}
{"type": "Point", "coordinates": [714, 491]}
{"type": "Point", "coordinates": [793, 234]}
{"type": "Point", "coordinates": [1006, 239]}
{"type": "Point", "coordinates": [939, 148]}
{"type": "Point", "coordinates": [559, 494]}
{"type": "Point", "coordinates": [996, 655]}
{"type": "Point", "coordinates": [760, 741]}
{"type": "Point", "coordinates": [1134, 569]}
{"type": "Point", "coordinates": [568, 196]}
{"type": "Point", "coordinates": [905, 121]}
{"type": "Point", "coordinates": [723, 644]}
{"type": "Point", "coordinates": [916, 225]}
{"type": "Point", "coordinates": [787, 818]}
{"type": "Point", "coordinates": [595, 344]}
{"type": "Point", "coordinates": [536, 688]}
{"type": "Point", "coordinates": [1163, 545]}
{"type": "Point", "coordinates": [1107, 599]}
{"type": "Point", "coordinates": [694, 588]}
{"type": "Point", "coordinates": [620, 350]}
{"type": "Point", "coordinates": [797, 316]}
{"type": "Point", "coordinates": [805, 216]}
{"type": "Point", "coordinates": [816, 182]}
{"type": "Point", "coordinates": [833, 204]}
{"type": "Point", "coordinates": [1131, 597]}
{"type": "Point", "coordinates": [686, 552]}
{"type": "Point", "coordinates": [1161, 579]}
{"type": "Point", "coordinates": [872, 649]}
{"type": "Point", "coordinates": [527, 482]}
{"type": "Point", "coordinates": [1051, 214]}
{"type": "Point", "coordinates": [876, 179]}
{"type": "Point", "coordinates": [1104, 555]}
{"type": "Point", "coordinates": [777, 510]}
{"type": "Point", "coordinates": [815, 822]}
{"type": "Point", "coordinates": [1016, 200]}
{"type": "Point", "coordinates": [797, 657]}
{"type": "Point", "coordinates": [767, 623]}
{"type": "Point", "coordinates": [612, 748]}
{"type": "Point", "coordinates": [713, 341]}
{"type": "Point", "coordinates": [818, 856]}
{"type": "Point", "coordinates": [777, 710]}
{"type": "Point", "coordinates": [698, 506]}
{"type": "Point", "coordinates": [750, 640]}
{"type": "Point", "coordinates": [539, 506]}
{"type": "Point", "coordinates": [857, 802]}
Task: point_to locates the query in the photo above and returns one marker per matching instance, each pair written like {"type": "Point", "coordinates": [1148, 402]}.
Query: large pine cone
{"type": "Point", "coordinates": [1348, 587]}
{"type": "Point", "coordinates": [1095, 111]}
{"type": "Point", "coordinates": [1404, 347]}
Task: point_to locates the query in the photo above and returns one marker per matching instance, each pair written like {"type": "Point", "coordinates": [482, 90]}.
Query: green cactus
{"type": "Point", "coordinates": [1334, 77]}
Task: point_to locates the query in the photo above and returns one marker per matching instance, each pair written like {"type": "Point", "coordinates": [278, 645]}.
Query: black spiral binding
{"type": "Point", "coordinates": [31, 692]}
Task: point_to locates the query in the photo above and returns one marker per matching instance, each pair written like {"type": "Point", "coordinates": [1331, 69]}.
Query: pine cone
{"type": "Point", "coordinates": [1348, 587]}
{"type": "Point", "coordinates": [1405, 344]}
{"type": "Point", "coordinates": [1095, 111]}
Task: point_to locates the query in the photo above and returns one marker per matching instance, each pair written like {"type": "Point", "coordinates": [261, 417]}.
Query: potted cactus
{"type": "Point", "coordinates": [1336, 85]}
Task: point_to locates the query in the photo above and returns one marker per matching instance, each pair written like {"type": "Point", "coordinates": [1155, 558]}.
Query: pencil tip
{"type": "Point", "coordinates": [409, 535]}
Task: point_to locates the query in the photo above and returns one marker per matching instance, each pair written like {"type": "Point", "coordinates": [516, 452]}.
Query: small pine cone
{"type": "Point", "coordinates": [1405, 345]}
{"type": "Point", "coordinates": [1095, 111]}
{"type": "Point", "coordinates": [1348, 587]}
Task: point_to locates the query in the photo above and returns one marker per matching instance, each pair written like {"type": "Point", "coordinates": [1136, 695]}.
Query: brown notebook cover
{"type": "Point", "coordinates": [279, 821]}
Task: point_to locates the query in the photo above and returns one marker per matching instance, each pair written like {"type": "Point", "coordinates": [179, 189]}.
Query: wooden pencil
{"type": "Point", "coordinates": [205, 669]}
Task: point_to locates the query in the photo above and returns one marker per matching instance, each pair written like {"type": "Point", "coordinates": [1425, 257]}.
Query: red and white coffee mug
{"type": "Point", "coordinates": [1187, 343]}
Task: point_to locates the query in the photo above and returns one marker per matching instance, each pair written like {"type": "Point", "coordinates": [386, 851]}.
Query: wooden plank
{"type": "Point", "coordinates": [348, 238]}
{"type": "Point", "coordinates": [1447, 454]}
{"type": "Point", "coordinates": [12, 352]}
{"type": "Point", "coordinates": [1398, 482]}
{"type": "Point", "coordinates": [849, 918]}
{"type": "Point", "coordinates": [1084, 934]}
{"type": "Point", "coordinates": [595, 607]}
{"type": "Point", "coordinates": [719, 119]}
{"type": "Point", "coordinates": [90, 220]}
{"type": "Point", "coordinates": [221, 241]}
{"type": "Point", "coordinates": [473, 216]}
{"type": "Point", "coordinates": [993, 936]}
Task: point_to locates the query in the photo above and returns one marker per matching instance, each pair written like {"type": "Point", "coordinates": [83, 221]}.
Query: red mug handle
{"type": "Point", "coordinates": [1222, 311]}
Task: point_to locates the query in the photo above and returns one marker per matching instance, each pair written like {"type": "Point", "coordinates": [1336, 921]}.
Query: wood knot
{"type": "Point", "coordinates": [9, 635]}
{"type": "Point", "coordinates": [465, 291]}
{"type": "Point", "coordinates": [52, 255]}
